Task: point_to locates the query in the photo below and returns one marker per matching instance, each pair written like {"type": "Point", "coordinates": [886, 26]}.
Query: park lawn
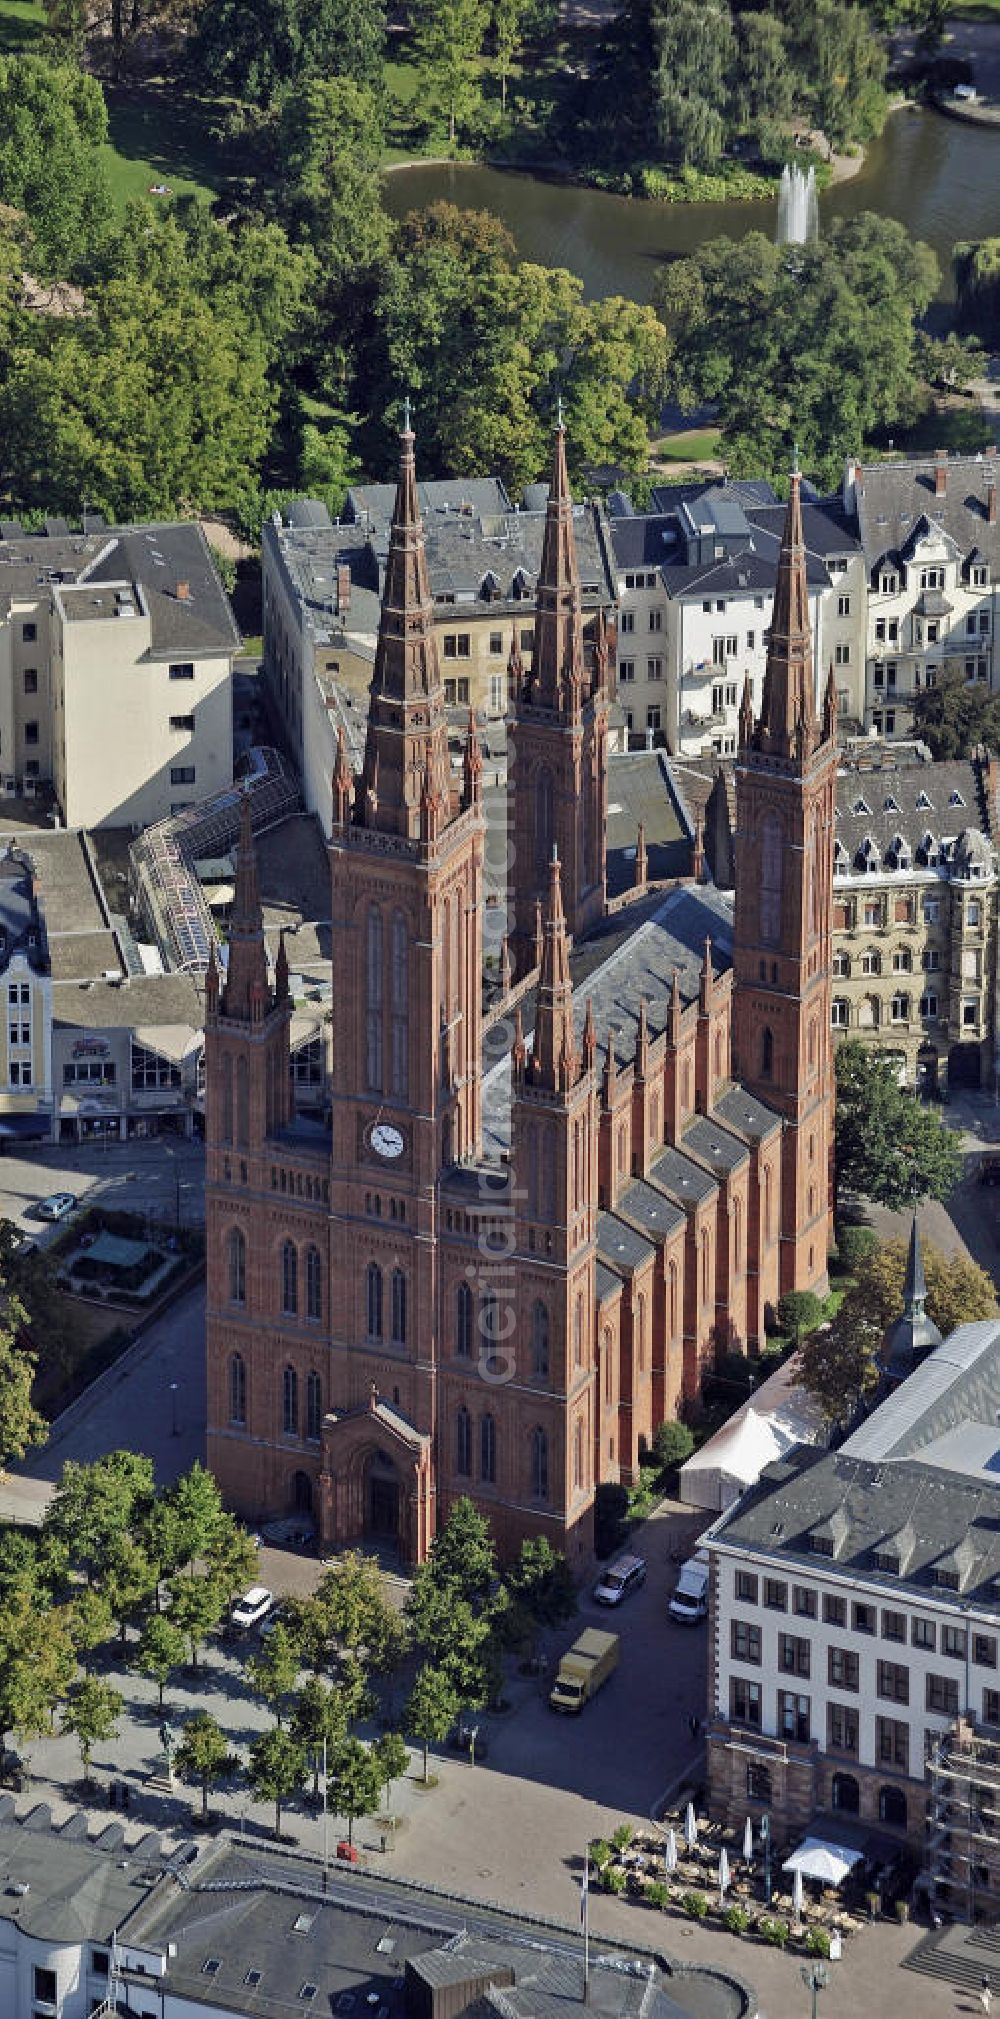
{"type": "Point", "coordinates": [690, 445]}
{"type": "Point", "coordinates": [22, 24]}
{"type": "Point", "coordinates": [161, 138]}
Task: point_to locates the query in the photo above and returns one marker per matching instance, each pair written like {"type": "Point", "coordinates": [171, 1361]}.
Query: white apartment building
{"type": "Point", "coordinates": [931, 542]}
{"type": "Point", "coordinates": [695, 579]}
{"type": "Point", "coordinates": [855, 1615]}
{"type": "Point", "coordinates": [116, 655]}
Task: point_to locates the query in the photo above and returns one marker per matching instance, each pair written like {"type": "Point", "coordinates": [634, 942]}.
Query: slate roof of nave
{"type": "Point", "coordinates": [639, 968]}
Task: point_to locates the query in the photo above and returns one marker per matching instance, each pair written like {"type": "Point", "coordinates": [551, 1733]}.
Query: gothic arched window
{"type": "Point", "coordinates": [314, 1405]}
{"type": "Point", "coordinates": [398, 1308]}
{"type": "Point", "coordinates": [236, 1259]}
{"type": "Point", "coordinates": [464, 1315]}
{"type": "Point", "coordinates": [463, 1442]}
{"type": "Point", "coordinates": [540, 1339]}
{"type": "Point", "coordinates": [579, 1480]}
{"type": "Point", "coordinates": [373, 1002]}
{"type": "Point", "coordinates": [488, 1449]}
{"type": "Point", "coordinates": [237, 1388]}
{"type": "Point", "coordinates": [400, 1007]}
{"type": "Point", "coordinates": [766, 1052]}
{"type": "Point", "coordinates": [373, 1301]}
{"type": "Point", "coordinates": [290, 1402]}
{"type": "Point", "coordinates": [771, 839]}
{"type": "Point", "coordinates": [543, 824]}
{"type": "Point", "coordinates": [314, 1284]}
{"type": "Point", "coordinates": [539, 1464]}
{"type": "Point", "coordinates": [289, 1278]}
{"type": "Point", "coordinates": [242, 1103]}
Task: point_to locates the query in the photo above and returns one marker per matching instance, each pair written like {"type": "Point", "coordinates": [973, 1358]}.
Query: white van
{"type": "Point", "coordinates": [690, 1600]}
{"type": "Point", "coordinates": [615, 1582]}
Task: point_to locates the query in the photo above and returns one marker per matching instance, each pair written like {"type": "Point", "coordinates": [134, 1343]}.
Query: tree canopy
{"type": "Point", "coordinates": [799, 344]}
{"type": "Point", "coordinates": [956, 714]}
{"type": "Point", "coordinates": [890, 1147]}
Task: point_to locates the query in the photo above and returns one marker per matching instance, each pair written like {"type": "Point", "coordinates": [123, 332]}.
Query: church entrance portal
{"type": "Point", "coordinates": [382, 1499]}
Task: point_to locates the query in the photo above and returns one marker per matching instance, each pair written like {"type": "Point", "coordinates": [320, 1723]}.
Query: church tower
{"type": "Point", "coordinates": [785, 793]}
{"type": "Point", "coordinates": [559, 739]}
{"type": "Point", "coordinates": [554, 1126]}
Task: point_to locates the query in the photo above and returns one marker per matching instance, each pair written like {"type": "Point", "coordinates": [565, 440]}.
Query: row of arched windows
{"type": "Point", "coordinates": [538, 1453]}
{"type": "Point", "coordinates": [290, 1420]}
{"type": "Point", "coordinates": [398, 1004]}
{"type": "Point", "coordinates": [296, 1280]}
{"type": "Point", "coordinates": [475, 1332]}
{"type": "Point", "coordinates": [376, 1311]}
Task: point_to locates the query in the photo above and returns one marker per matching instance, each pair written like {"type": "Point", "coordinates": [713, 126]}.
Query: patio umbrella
{"type": "Point", "coordinates": [748, 1840]}
{"type": "Point", "coordinates": [690, 1827]}
{"type": "Point", "coordinates": [723, 1873]}
{"type": "Point", "coordinates": [797, 1893]}
{"type": "Point", "coordinates": [670, 1852]}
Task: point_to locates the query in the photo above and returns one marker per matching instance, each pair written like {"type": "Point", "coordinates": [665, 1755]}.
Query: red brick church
{"type": "Point", "coordinates": [515, 1249]}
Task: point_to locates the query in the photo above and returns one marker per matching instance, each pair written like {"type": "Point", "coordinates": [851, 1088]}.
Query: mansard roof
{"type": "Point", "coordinates": [893, 499]}
{"type": "Point", "coordinates": [905, 801]}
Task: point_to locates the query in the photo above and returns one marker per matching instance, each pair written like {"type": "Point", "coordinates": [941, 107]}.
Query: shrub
{"type": "Point", "coordinates": [854, 1245]}
{"type": "Point", "coordinates": [672, 1444]}
{"type": "Point", "coordinates": [775, 1933]}
{"type": "Point", "coordinates": [902, 1912]}
{"type": "Point", "coordinates": [600, 1853]}
{"type": "Point", "coordinates": [657, 1894]}
{"type": "Point", "coordinates": [695, 1904]}
{"type": "Point", "coordinates": [736, 1919]}
{"type": "Point", "coordinates": [818, 1942]}
{"type": "Point", "coordinates": [615, 1880]}
{"type": "Point", "coordinates": [799, 1311]}
{"type": "Point", "coordinates": [622, 1837]}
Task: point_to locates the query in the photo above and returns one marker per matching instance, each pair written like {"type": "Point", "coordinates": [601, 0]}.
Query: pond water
{"type": "Point", "coordinates": [940, 177]}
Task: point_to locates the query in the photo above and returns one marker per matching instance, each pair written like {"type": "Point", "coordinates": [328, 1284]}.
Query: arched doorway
{"type": "Point", "coordinates": [382, 1498]}
{"type": "Point", "coordinates": [892, 1808]}
{"type": "Point", "coordinates": [846, 1794]}
{"type": "Point", "coordinates": [302, 1493]}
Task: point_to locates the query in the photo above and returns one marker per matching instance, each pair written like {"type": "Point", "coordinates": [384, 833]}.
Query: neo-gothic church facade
{"type": "Point", "coordinates": [523, 1237]}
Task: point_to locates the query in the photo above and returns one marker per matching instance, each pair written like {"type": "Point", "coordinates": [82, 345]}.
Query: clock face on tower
{"type": "Point", "coordinates": [385, 1140]}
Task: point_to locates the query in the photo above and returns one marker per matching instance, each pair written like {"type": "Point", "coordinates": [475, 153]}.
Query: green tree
{"type": "Point", "coordinates": [463, 1554]}
{"type": "Point", "coordinates": [695, 52]}
{"type": "Point", "coordinates": [91, 1714]}
{"type": "Point", "coordinates": [160, 1652]}
{"type": "Point", "coordinates": [889, 1147]}
{"type": "Point", "coordinates": [354, 1689]}
{"type": "Point", "coordinates": [36, 1665]}
{"type": "Point", "coordinates": [448, 40]}
{"type": "Point", "coordinates": [97, 1507]}
{"type": "Point", "coordinates": [540, 1579]}
{"type": "Point", "coordinates": [799, 1311]}
{"type": "Point", "coordinates": [276, 1769]}
{"type": "Point", "coordinates": [352, 1598]}
{"type": "Point", "coordinates": [53, 135]}
{"type": "Point", "coordinates": [258, 57]}
{"type": "Point", "coordinates": [837, 1366]}
{"type": "Point", "coordinates": [432, 1708]}
{"type": "Point", "coordinates": [354, 1783]}
{"type": "Point", "coordinates": [509, 21]}
{"type": "Point", "coordinates": [393, 1755]}
{"type": "Point", "coordinates": [319, 1719]}
{"type": "Point", "coordinates": [203, 1755]}
{"type": "Point", "coordinates": [127, 1581]}
{"type": "Point", "coordinates": [21, 1423]}
{"type": "Point", "coordinates": [810, 344]}
{"type": "Point", "coordinates": [88, 1619]}
{"type": "Point", "coordinates": [196, 1606]}
{"type": "Point", "coordinates": [672, 1444]}
{"type": "Point", "coordinates": [274, 1672]}
{"type": "Point", "coordinates": [231, 1559]}
{"type": "Point", "coordinates": [958, 1291]}
{"type": "Point", "coordinates": [956, 715]}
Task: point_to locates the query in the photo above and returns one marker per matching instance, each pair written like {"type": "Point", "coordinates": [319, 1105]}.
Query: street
{"type": "Point", "coordinates": [161, 1176]}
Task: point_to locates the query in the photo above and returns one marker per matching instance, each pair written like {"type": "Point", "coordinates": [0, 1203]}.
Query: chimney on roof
{"type": "Point", "coordinates": [940, 473]}
{"type": "Point", "coordinates": [991, 502]}
{"type": "Point", "coordinates": [343, 588]}
{"type": "Point", "coordinates": [183, 592]}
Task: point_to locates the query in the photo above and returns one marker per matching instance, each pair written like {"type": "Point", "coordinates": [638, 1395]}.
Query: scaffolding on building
{"type": "Point", "coordinates": [166, 892]}
{"type": "Point", "coordinates": [963, 1822]}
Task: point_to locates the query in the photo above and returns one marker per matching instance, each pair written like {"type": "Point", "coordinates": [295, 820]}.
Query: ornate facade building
{"type": "Point", "coordinates": [513, 1250]}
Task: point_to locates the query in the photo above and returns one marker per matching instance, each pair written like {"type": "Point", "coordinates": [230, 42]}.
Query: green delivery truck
{"type": "Point", "coordinates": [583, 1669]}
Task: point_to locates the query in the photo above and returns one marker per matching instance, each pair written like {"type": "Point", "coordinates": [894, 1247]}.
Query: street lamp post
{"type": "Point", "coordinates": [174, 1429]}
{"type": "Point", "coordinates": [765, 1838]}
{"type": "Point", "coordinates": [815, 1977]}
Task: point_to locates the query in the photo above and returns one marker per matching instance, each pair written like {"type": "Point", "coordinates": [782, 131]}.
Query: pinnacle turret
{"type": "Point", "coordinates": [246, 991]}
{"type": "Point", "coordinates": [555, 1059]}
{"type": "Point", "coordinates": [787, 726]}
{"type": "Point", "coordinates": [557, 665]}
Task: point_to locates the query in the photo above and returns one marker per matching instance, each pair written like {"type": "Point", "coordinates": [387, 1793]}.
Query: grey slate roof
{"type": "Point", "coordinates": [907, 800]}
{"type": "Point", "coordinates": [621, 1246]}
{"type": "Point", "coordinates": [22, 922]}
{"type": "Point", "coordinates": [732, 516]}
{"type": "Point", "coordinates": [641, 788]}
{"type": "Point", "coordinates": [749, 1116]}
{"type": "Point", "coordinates": [682, 1178]}
{"type": "Point", "coordinates": [646, 1206]}
{"type": "Point", "coordinates": [714, 1146]}
{"type": "Point", "coordinates": [608, 1284]}
{"type": "Point", "coordinates": [892, 499]}
{"type": "Point", "coordinates": [154, 557]}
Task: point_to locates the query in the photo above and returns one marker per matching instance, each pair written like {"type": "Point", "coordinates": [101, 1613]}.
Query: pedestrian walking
{"type": "Point", "coordinates": [693, 1723]}
{"type": "Point", "coordinates": [986, 1995]}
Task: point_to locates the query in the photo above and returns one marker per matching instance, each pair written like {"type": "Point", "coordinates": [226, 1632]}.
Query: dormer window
{"type": "Point", "coordinates": [923, 804]}
{"type": "Point", "coordinates": [821, 1545]}
{"type": "Point", "coordinates": [887, 1560]}
{"type": "Point", "coordinates": [862, 809]}
{"type": "Point", "coordinates": [889, 805]}
{"type": "Point", "coordinates": [955, 799]}
{"type": "Point", "coordinates": [947, 1580]}
{"type": "Point", "coordinates": [489, 587]}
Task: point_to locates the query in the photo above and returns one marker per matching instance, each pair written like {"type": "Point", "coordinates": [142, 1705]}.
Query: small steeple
{"type": "Point", "coordinates": [641, 864]}
{"type": "Point", "coordinates": [609, 1078]}
{"type": "Point", "coordinates": [472, 765]}
{"type": "Point", "coordinates": [676, 1006]}
{"type": "Point", "coordinates": [787, 725]}
{"type": "Point", "coordinates": [407, 737]}
{"type": "Point", "coordinates": [557, 654]}
{"type": "Point", "coordinates": [912, 1335]}
{"type": "Point", "coordinates": [539, 933]}
{"type": "Point", "coordinates": [555, 1060]}
{"type": "Point", "coordinates": [515, 669]}
{"type": "Point", "coordinates": [281, 970]}
{"type": "Point", "coordinates": [211, 982]}
{"type": "Point", "coordinates": [589, 1037]}
{"type": "Point", "coordinates": [707, 978]}
{"type": "Point", "coordinates": [343, 782]}
{"type": "Point", "coordinates": [746, 714]}
{"type": "Point", "coordinates": [830, 705]}
{"type": "Point", "coordinates": [642, 1042]}
{"type": "Point", "coordinates": [246, 991]}
{"type": "Point", "coordinates": [698, 850]}
{"type": "Point", "coordinates": [518, 1048]}
{"type": "Point", "coordinates": [602, 654]}
{"type": "Point", "coordinates": [506, 967]}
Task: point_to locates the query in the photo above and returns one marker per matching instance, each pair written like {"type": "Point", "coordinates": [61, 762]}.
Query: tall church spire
{"type": "Point", "coordinates": [246, 991]}
{"type": "Point", "coordinates": [557, 661]}
{"type": "Point", "coordinates": [555, 1060]}
{"type": "Point", "coordinates": [787, 726]}
{"type": "Point", "coordinates": [407, 743]}
{"type": "Point", "coordinates": [913, 1335]}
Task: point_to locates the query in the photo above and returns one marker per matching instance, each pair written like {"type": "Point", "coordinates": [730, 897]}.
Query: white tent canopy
{"type": "Point", "coordinates": [817, 1859]}
{"type": "Point", "coordinates": [780, 1416]}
